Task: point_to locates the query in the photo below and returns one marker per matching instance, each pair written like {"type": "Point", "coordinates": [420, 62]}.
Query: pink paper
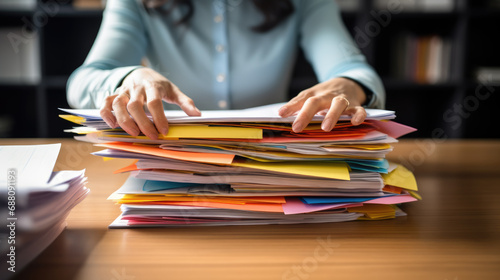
{"type": "Point", "coordinates": [296, 206]}
{"type": "Point", "coordinates": [396, 199]}
{"type": "Point", "coordinates": [393, 129]}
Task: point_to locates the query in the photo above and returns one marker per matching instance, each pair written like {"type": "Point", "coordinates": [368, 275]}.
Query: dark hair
{"type": "Point", "coordinates": [274, 11]}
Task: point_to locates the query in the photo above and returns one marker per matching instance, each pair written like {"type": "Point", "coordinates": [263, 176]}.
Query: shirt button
{"type": "Point", "coordinates": [222, 104]}
{"type": "Point", "coordinates": [219, 48]}
{"type": "Point", "coordinates": [221, 78]}
{"type": "Point", "coordinates": [218, 18]}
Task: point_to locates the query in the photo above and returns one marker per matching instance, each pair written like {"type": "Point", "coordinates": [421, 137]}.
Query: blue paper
{"type": "Point", "coordinates": [319, 200]}
{"type": "Point", "coordinates": [152, 186]}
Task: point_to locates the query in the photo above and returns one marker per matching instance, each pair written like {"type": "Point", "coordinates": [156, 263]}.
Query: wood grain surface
{"type": "Point", "coordinates": [452, 234]}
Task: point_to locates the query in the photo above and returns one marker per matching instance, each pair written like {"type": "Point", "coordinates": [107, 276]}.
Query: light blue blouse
{"type": "Point", "coordinates": [216, 59]}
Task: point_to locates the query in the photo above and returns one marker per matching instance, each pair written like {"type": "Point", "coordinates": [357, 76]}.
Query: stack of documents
{"type": "Point", "coordinates": [36, 200]}
{"type": "Point", "coordinates": [247, 167]}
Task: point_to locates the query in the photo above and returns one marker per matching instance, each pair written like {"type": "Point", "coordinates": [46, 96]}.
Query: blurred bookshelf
{"type": "Point", "coordinates": [433, 55]}
{"type": "Point", "coordinates": [439, 61]}
{"type": "Point", "coordinates": [46, 41]}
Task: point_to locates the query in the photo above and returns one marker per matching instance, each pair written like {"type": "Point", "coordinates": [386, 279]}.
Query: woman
{"type": "Point", "coordinates": [222, 54]}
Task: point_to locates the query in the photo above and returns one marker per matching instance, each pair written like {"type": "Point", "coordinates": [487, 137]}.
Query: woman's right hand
{"type": "Point", "coordinates": [144, 86]}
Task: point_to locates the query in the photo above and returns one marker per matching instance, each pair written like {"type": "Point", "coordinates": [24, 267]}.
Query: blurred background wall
{"type": "Point", "coordinates": [439, 60]}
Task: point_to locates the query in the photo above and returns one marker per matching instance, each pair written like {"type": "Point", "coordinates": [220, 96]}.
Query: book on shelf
{"type": "Point", "coordinates": [348, 5]}
{"type": "Point", "coordinates": [493, 4]}
{"type": "Point", "coordinates": [25, 5]}
{"type": "Point", "coordinates": [89, 4]}
{"type": "Point", "coordinates": [418, 5]}
{"type": "Point", "coordinates": [488, 75]}
{"type": "Point", "coordinates": [421, 59]}
{"type": "Point", "coordinates": [6, 124]}
{"type": "Point", "coordinates": [20, 56]}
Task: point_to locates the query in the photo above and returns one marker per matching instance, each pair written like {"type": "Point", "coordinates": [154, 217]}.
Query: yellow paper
{"type": "Point", "coordinates": [73, 119]}
{"type": "Point", "coordinates": [415, 195]}
{"type": "Point", "coordinates": [144, 198]}
{"type": "Point", "coordinates": [331, 170]}
{"type": "Point", "coordinates": [361, 147]}
{"type": "Point", "coordinates": [293, 155]}
{"type": "Point", "coordinates": [82, 130]}
{"type": "Point", "coordinates": [374, 211]}
{"type": "Point", "coordinates": [370, 217]}
{"type": "Point", "coordinates": [203, 131]}
{"type": "Point", "coordinates": [401, 177]}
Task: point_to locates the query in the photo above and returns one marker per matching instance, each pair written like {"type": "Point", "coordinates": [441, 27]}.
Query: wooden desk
{"type": "Point", "coordinates": [454, 233]}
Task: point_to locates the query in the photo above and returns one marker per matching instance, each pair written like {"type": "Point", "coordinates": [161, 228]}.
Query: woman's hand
{"type": "Point", "coordinates": [333, 98]}
{"type": "Point", "coordinates": [141, 87]}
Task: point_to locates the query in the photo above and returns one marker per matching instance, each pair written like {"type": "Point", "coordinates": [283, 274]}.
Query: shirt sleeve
{"type": "Point", "coordinates": [118, 50]}
{"type": "Point", "coordinates": [331, 50]}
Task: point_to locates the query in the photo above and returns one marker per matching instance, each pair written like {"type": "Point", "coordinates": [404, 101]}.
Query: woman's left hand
{"type": "Point", "coordinates": [335, 97]}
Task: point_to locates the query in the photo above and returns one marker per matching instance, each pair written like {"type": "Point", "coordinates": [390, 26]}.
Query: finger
{"type": "Point", "coordinates": [186, 103]}
{"type": "Point", "coordinates": [358, 114]}
{"type": "Point", "coordinates": [295, 104]}
{"type": "Point", "coordinates": [322, 112]}
{"type": "Point", "coordinates": [338, 106]}
{"type": "Point", "coordinates": [136, 108]}
{"type": "Point", "coordinates": [121, 113]}
{"type": "Point", "coordinates": [106, 111]}
{"type": "Point", "coordinates": [311, 107]}
{"type": "Point", "coordinates": [155, 106]}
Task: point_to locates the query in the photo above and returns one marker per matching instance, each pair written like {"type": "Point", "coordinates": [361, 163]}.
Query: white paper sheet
{"type": "Point", "coordinates": [33, 165]}
{"type": "Point", "coordinates": [268, 113]}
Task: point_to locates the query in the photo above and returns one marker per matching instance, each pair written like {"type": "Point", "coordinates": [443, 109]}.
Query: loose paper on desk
{"type": "Point", "coordinates": [33, 166]}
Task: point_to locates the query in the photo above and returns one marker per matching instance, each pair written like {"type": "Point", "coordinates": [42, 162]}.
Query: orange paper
{"type": "Point", "coordinates": [392, 189]}
{"type": "Point", "coordinates": [179, 155]}
{"type": "Point", "coordinates": [129, 168]}
{"type": "Point", "coordinates": [230, 200]}
{"type": "Point", "coordinates": [262, 207]}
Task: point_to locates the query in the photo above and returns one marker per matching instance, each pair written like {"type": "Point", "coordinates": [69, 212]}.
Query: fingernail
{"type": "Point", "coordinates": [282, 111]}
{"type": "Point", "coordinates": [164, 131]}
{"type": "Point", "coordinates": [326, 125]}
{"type": "Point", "coordinates": [356, 120]}
{"type": "Point", "coordinates": [107, 121]}
{"type": "Point", "coordinates": [153, 136]}
{"type": "Point", "coordinates": [134, 132]}
{"type": "Point", "coordinates": [297, 127]}
{"type": "Point", "coordinates": [110, 123]}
